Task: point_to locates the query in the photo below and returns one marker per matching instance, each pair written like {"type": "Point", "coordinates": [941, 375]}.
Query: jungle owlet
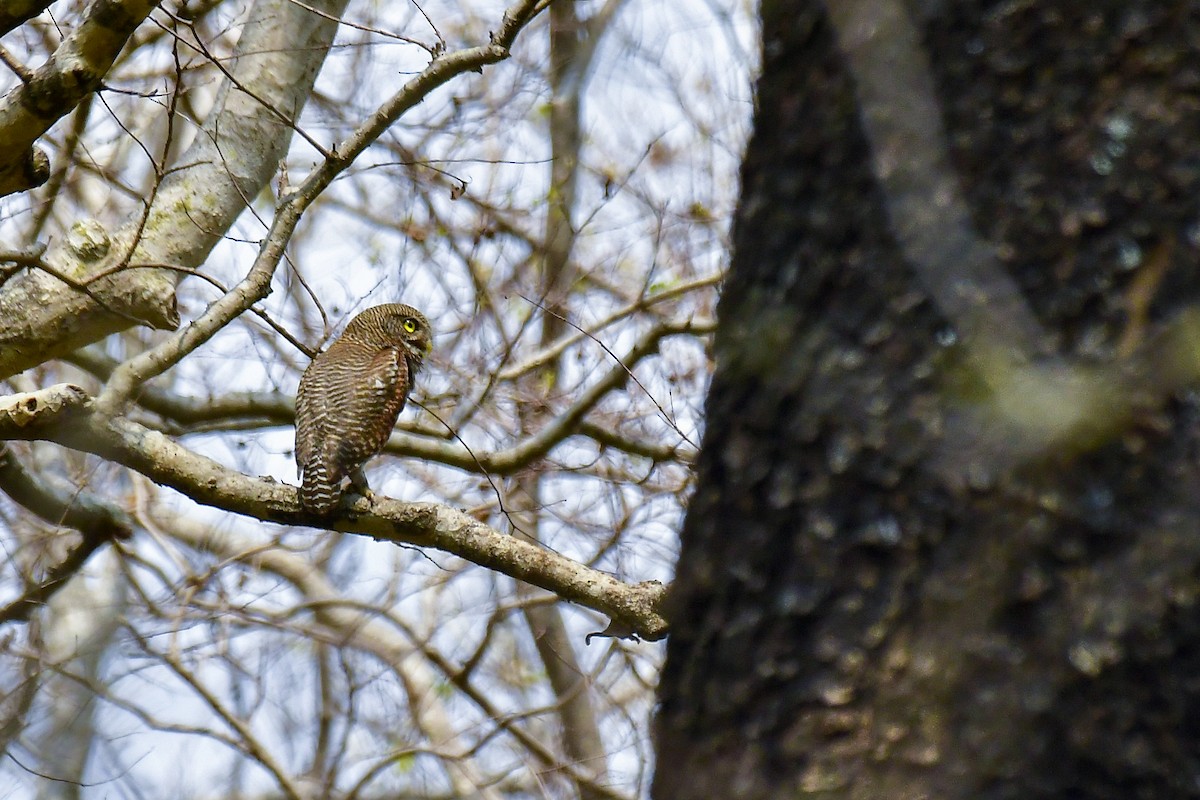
{"type": "Point", "coordinates": [350, 397]}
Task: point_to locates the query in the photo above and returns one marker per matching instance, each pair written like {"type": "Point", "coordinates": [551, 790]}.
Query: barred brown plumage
{"type": "Point", "coordinates": [350, 397]}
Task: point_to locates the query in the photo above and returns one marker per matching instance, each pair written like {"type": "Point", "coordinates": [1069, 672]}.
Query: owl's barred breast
{"type": "Point", "coordinates": [350, 396]}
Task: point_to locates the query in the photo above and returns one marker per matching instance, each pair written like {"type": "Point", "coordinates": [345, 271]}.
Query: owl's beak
{"type": "Point", "coordinates": [428, 346]}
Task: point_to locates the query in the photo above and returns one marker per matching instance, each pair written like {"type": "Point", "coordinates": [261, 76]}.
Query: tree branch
{"type": "Point", "coordinates": [74, 71]}
{"type": "Point", "coordinates": [257, 283]}
{"type": "Point", "coordinates": [272, 407]}
{"type": "Point", "coordinates": [97, 521]}
{"type": "Point", "coordinates": [278, 56]}
{"type": "Point", "coordinates": [355, 627]}
{"type": "Point", "coordinates": [17, 12]}
{"type": "Point", "coordinates": [548, 355]}
{"type": "Point", "coordinates": [64, 414]}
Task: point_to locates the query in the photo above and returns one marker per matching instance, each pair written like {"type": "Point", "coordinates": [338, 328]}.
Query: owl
{"type": "Point", "coordinates": [350, 397]}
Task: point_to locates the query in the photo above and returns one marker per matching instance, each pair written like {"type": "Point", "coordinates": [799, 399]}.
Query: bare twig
{"type": "Point", "coordinates": [19, 69]}
{"type": "Point", "coordinates": [257, 282]}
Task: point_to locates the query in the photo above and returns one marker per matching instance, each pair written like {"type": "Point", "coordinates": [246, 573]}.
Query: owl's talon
{"type": "Point", "coordinates": [358, 482]}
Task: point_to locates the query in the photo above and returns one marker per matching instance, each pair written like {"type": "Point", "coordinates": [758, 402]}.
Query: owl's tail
{"type": "Point", "coordinates": [320, 490]}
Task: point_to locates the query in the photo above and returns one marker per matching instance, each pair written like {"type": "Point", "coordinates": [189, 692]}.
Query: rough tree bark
{"type": "Point", "coordinates": [915, 566]}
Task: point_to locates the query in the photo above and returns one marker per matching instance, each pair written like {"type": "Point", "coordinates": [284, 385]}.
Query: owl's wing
{"type": "Point", "coordinates": [311, 416]}
{"type": "Point", "coordinates": [370, 410]}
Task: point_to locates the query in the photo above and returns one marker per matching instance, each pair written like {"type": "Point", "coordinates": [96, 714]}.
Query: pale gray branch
{"type": "Point", "coordinates": [63, 414]}
{"type": "Point", "coordinates": [279, 54]}
{"type": "Point", "coordinates": [97, 521]}
{"type": "Point", "coordinates": [250, 742]}
{"type": "Point", "coordinates": [356, 627]}
{"type": "Point", "coordinates": [15, 12]}
{"type": "Point", "coordinates": [76, 69]}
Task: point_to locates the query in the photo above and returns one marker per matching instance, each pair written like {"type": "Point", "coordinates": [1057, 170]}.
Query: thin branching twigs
{"type": "Point", "coordinates": [257, 283]}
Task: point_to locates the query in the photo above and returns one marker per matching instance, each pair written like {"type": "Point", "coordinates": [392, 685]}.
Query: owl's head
{"type": "Point", "coordinates": [396, 323]}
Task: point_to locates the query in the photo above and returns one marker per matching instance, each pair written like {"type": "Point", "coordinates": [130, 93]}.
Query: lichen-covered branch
{"type": "Point", "coordinates": [75, 70]}
{"type": "Point", "coordinates": [15, 12]}
{"type": "Point", "coordinates": [64, 414]}
{"type": "Point", "coordinates": [269, 79]}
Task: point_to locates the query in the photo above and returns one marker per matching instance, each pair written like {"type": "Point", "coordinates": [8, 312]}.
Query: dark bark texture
{"type": "Point", "coordinates": [851, 619]}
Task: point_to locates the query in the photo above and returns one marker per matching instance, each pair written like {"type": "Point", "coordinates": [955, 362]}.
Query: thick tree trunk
{"type": "Point", "coordinates": [901, 576]}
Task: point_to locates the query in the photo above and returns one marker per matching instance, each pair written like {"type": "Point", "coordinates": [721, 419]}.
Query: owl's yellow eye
{"type": "Point", "coordinates": [410, 326]}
